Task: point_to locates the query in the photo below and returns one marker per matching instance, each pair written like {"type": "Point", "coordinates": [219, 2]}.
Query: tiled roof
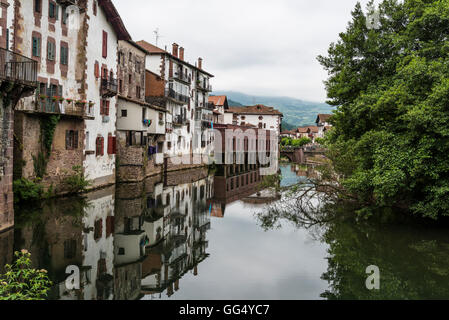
{"type": "Point", "coordinates": [323, 117]}
{"type": "Point", "coordinates": [257, 109]}
{"type": "Point", "coordinates": [217, 100]}
{"type": "Point", "coordinates": [150, 48]}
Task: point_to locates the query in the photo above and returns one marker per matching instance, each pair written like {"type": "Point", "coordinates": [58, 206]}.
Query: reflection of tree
{"type": "Point", "coordinates": [413, 260]}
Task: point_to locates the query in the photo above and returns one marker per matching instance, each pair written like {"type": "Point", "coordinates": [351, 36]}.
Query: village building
{"type": "Point", "coordinates": [18, 78]}
{"type": "Point", "coordinates": [220, 106]}
{"type": "Point", "coordinates": [104, 28]}
{"type": "Point", "coordinates": [323, 124]}
{"type": "Point", "coordinates": [140, 125]}
{"type": "Point", "coordinates": [293, 134]}
{"type": "Point", "coordinates": [261, 116]}
{"type": "Point", "coordinates": [182, 89]}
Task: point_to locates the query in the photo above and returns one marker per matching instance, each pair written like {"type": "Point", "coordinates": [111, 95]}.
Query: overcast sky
{"type": "Point", "coordinates": [258, 47]}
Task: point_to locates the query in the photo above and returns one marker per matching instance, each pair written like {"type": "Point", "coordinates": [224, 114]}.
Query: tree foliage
{"type": "Point", "coordinates": [390, 141]}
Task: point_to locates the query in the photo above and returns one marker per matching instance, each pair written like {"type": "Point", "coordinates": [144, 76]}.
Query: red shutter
{"type": "Point", "coordinates": [105, 44]}
{"type": "Point", "coordinates": [107, 108]}
{"type": "Point", "coordinates": [102, 146]}
{"type": "Point", "coordinates": [101, 107]}
{"type": "Point", "coordinates": [110, 145]}
{"type": "Point", "coordinates": [97, 69]}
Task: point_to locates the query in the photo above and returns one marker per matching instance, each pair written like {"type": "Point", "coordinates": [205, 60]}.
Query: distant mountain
{"type": "Point", "coordinates": [233, 103]}
{"type": "Point", "coordinates": [296, 112]}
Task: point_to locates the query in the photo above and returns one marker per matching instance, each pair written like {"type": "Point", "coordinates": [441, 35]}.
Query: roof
{"type": "Point", "coordinates": [218, 100]}
{"type": "Point", "coordinates": [313, 129]}
{"type": "Point", "coordinates": [114, 19]}
{"type": "Point", "coordinates": [257, 109]}
{"type": "Point", "coordinates": [323, 118]}
{"type": "Point", "coordinates": [288, 132]}
{"type": "Point", "coordinates": [152, 49]}
{"type": "Point", "coordinates": [303, 130]}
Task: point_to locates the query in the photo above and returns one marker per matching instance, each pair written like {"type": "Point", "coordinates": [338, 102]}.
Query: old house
{"type": "Point", "coordinates": [140, 125]}
{"type": "Point", "coordinates": [49, 126]}
{"type": "Point", "coordinates": [182, 89]}
{"type": "Point", "coordinates": [260, 116]}
{"type": "Point", "coordinates": [323, 122]}
{"type": "Point", "coordinates": [220, 106]}
{"type": "Point", "coordinates": [105, 29]}
{"type": "Point", "coordinates": [18, 75]}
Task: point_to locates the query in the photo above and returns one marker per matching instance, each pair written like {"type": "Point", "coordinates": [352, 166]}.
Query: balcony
{"type": "Point", "coordinates": [70, 109]}
{"type": "Point", "coordinates": [109, 87]}
{"type": "Point", "coordinates": [179, 120]}
{"type": "Point", "coordinates": [176, 97]}
{"type": "Point", "coordinates": [182, 77]}
{"type": "Point", "coordinates": [203, 86]}
{"type": "Point", "coordinates": [18, 69]}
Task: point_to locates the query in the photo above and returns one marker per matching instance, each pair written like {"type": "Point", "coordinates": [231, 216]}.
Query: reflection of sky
{"type": "Point", "coordinates": [247, 263]}
{"type": "Point", "coordinates": [289, 178]}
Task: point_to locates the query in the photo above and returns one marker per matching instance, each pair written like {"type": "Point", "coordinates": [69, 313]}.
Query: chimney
{"type": "Point", "coordinates": [175, 49]}
{"type": "Point", "coordinates": [181, 53]}
{"type": "Point", "coordinates": [200, 63]}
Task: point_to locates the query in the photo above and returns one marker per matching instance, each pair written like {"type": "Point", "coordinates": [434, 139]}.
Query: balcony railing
{"type": "Point", "coordinates": [182, 77]}
{"type": "Point", "coordinates": [171, 93]}
{"type": "Point", "coordinates": [17, 68]}
{"type": "Point", "coordinates": [179, 120]}
{"type": "Point", "coordinates": [109, 87]}
{"type": "Point", "coordinates": [48, 105]}
{"type": "Point", "coordinates": [203, 86]}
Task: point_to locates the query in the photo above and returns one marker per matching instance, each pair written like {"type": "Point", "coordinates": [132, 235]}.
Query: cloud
{"type": "Point", "coordinates": [254, 46]}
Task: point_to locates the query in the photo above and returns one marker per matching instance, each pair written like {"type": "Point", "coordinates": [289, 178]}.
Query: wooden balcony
{"type": "Point", "coordinates": [66, 109]}
{"type": "Point", "coordinates": [109, 88]}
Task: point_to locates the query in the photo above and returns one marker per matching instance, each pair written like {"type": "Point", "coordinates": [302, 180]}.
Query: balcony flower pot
{"type": "Point", "coordinates": [69, 100]}
{"type": "Point", "coordinates": [43, 97]}
{"type": "Point", "coordinates": [55, 98]}
{"type": "Point", "coordinates": [61, 99]}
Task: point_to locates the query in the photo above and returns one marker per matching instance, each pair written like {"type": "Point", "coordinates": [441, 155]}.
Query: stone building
{"type": "Point", "coordinates": [140, 125]}
{"type": "Point", "coordinates": [18, 75]}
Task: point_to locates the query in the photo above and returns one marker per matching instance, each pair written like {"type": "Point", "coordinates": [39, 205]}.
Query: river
{"type": "Point", "coordinates": [181, 238]}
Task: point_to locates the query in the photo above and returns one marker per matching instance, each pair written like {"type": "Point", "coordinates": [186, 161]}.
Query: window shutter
{"type": "Point", "coordinates": [107, 108]}
{"type": "Point", "coordinates": [101, 107]}
{"type": "Point", "coordinates": [102, 146]}
{"type": "Point", "coordinates": [97, 69]}
{"type": "Point", "coordinates": [110, 150]}
{"type": "Point", "coordinates": [105, 44]}
{"type": "Point", "coordinates": [56, 12]}
{"type": "Point", "coordinates": [114, 145]}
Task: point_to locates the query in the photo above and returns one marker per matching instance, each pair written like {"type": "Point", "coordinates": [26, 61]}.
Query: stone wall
{"type": "Point", "coordinates": [28, 145]}
{"type": "Point", "coordinates": [6, 167]}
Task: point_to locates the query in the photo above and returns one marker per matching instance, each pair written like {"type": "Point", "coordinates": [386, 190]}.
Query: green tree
{"type": "Point", "coordinates": [390, 141]}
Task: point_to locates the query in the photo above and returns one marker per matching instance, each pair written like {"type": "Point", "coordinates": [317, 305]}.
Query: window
{"type": "Point", "coordinates": [99, 144]}
{"type": "Point", "coordinates": [138, 92]}
{"type": "Point", "coordinates": [98, 231]}
{"type": "Point", "coordinates": [105, 44]}
{"type": "Point", "coordinates": [112, 145]}
{"type": "Point", "coordinates": [38, 6]}
{"type": "Point", "coordinates": [120, 85]}
{"type": "Point", "coordinates": [36, 46]}
{"type": "Point", "coordinates": [130, 79]}
{"type": "Point", "coordinates": [71, 139]}
{"type": "Point", "coordinates": [95, 8]}
{"type": "Point", "coordinates": [64, 55]}
{"type": "Point", "coordinates": [260, 125]}
{"type": "Point", "coordinates": [104, 107]}
{"type": "Point", "coordinates": [161, 116]}
{"type": "Point", "coordinates": [53, 10]}
{"type": "Point", "coordinates": [260, 118]}
{"type": "Point", "coordinates": [124, 113]}
{"type": "Point", "coordinates": [169, 145]}
{"type": "Point", "coordinates": [51, 51]}
{"type": "Point", "coordinates": [69, 249]}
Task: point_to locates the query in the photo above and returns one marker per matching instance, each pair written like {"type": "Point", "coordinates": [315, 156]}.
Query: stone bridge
{"type": "Point", "coordinates": [299, 155]}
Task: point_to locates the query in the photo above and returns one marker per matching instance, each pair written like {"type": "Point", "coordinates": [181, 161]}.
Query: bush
{"type": "Point", "coordinates": [297, 143]}
{"type": "Point", "coordinates": [27, 190]}
{"type": "Point", "coordinates": [77, 183]}
{"type": "Point", "coordinates": [21, 282]}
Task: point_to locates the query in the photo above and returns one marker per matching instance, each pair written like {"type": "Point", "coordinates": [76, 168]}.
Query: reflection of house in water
{"type": "Point", "coordinates": [176, 223]}
{"type": "Point", "coordinates": [74, 232]}
{"type": "Point", "coordinates": [6, 248]}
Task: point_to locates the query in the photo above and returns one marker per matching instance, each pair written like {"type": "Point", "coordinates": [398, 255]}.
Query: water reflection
{"type": "Point", "coordinates": [156, 240]}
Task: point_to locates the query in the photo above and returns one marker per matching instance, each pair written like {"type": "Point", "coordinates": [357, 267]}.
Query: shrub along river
{"type": "Point", "coordinates": [176, 238]}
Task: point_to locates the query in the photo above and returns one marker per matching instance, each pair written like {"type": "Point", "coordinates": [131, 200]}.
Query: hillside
{"type": "Point", "coordinates": [296, 112]}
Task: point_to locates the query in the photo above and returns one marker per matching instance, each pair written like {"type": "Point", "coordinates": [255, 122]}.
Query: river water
{"type": "Point", "coordinates": [179, 237]}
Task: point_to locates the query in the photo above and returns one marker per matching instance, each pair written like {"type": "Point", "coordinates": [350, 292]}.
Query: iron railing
{"type": "Point", "coordinates": [18, 68]}
{"type": "Point", "coordinates": [48, 105]}
{"type": "Point", "coordinates": [184, 77]}
{"type": "Point", "coordinates": [171, 93]}
{"type": "Point", "coordinates": [179, 120]}
{"type": "Point", "coordinates": [109, 87]}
